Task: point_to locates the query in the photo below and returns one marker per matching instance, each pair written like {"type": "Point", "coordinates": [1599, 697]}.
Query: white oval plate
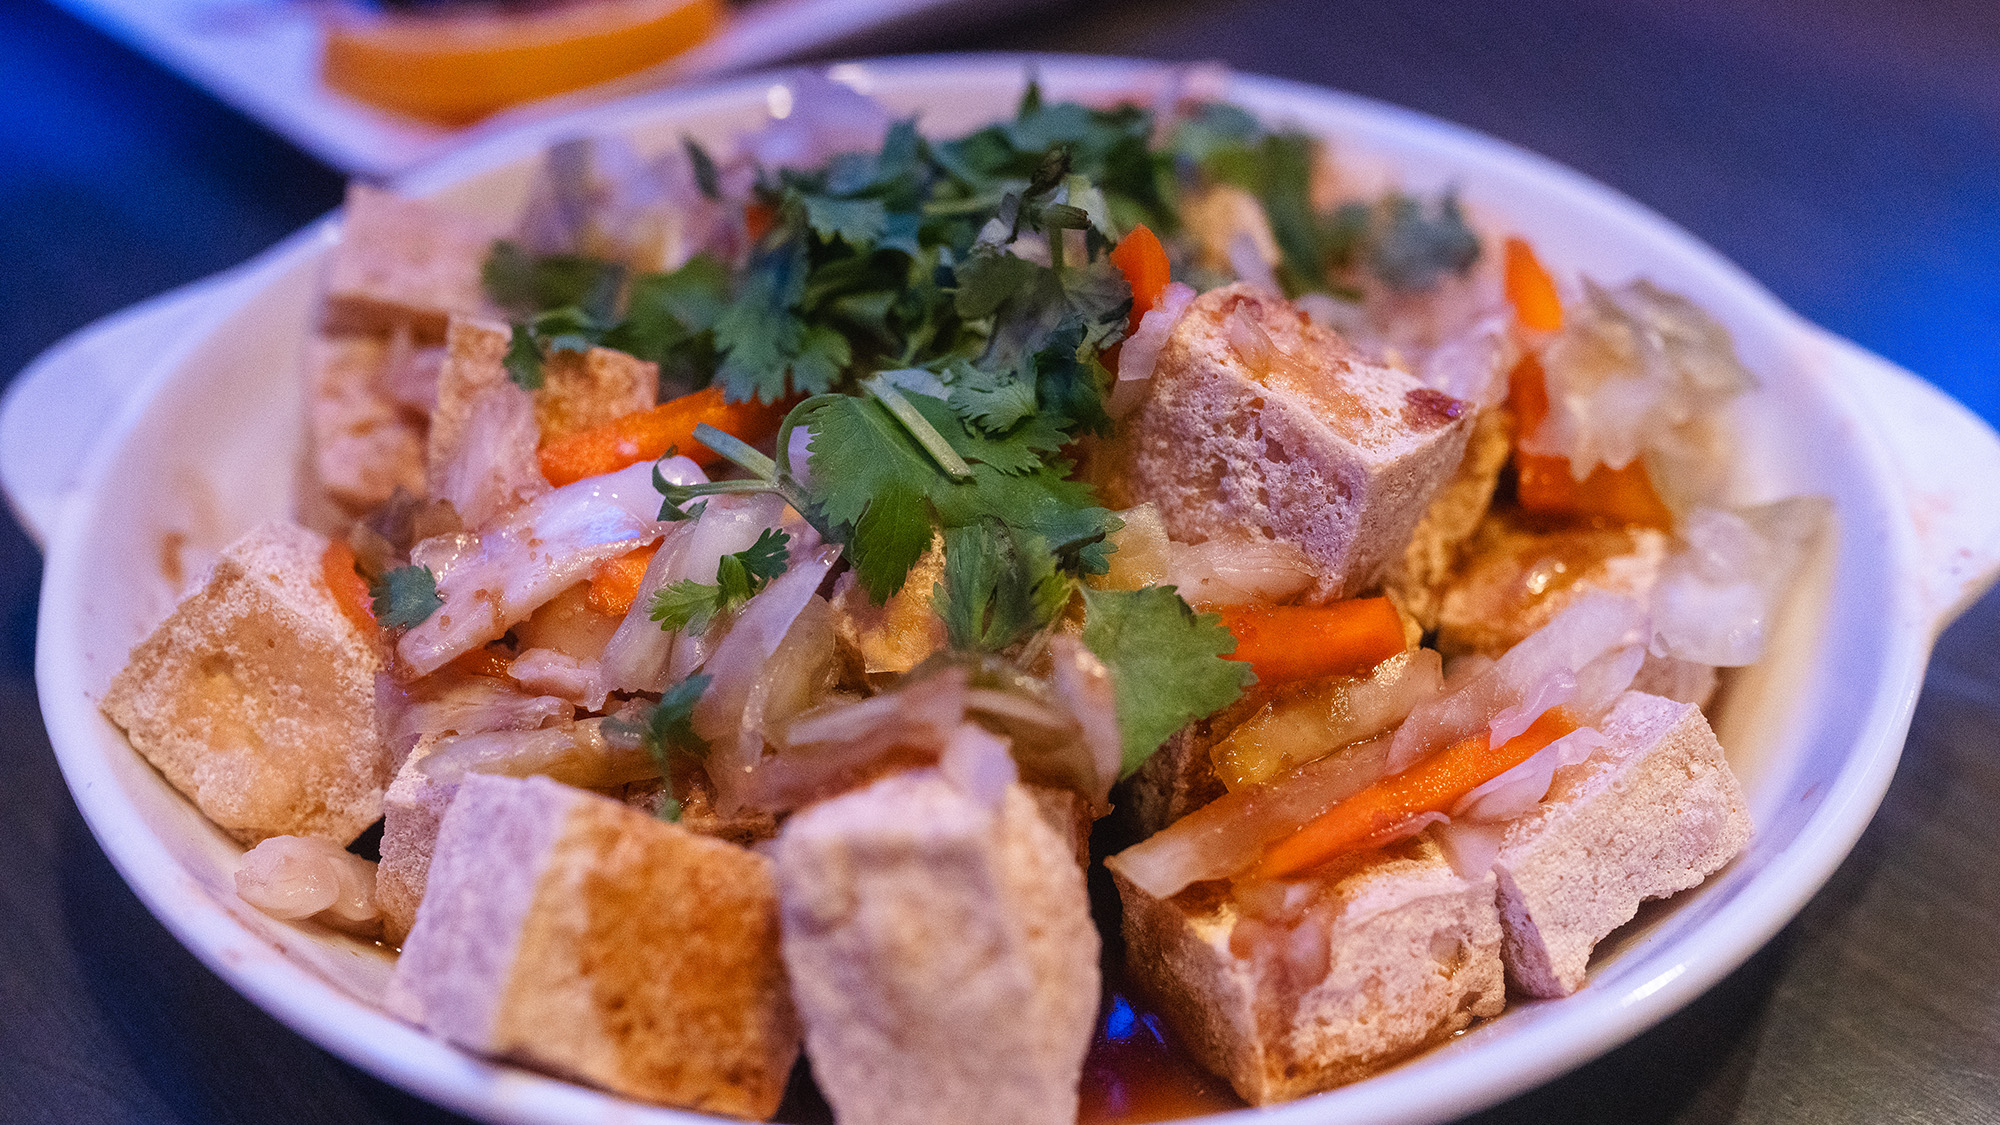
{"type": "Point", "coordinates": [208, 442]}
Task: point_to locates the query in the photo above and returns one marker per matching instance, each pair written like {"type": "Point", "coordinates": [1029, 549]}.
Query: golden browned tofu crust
{"type": "Point", "coordinates": [1418, 582]}
{"type": "Point", "coordinates": [583, 936]}
{"type": "Point", "coordinates": [1515, 576]}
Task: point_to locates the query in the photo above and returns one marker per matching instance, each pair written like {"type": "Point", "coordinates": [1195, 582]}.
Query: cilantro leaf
{"type": "Point", "coordinates": [1072, 383]}
{"type": "Point", "coordinates": [1062, 511]}
{"type": "Point", "coordinates": [405, 597]}
{"type": "Point", "coordinates": [562, 330]}
{"type": "Point", "coordinates": [987, 279]}
{"type": "Point", "coordinates": [692, 605]}
{"type": "Point", "coordinates": [885, 172]}
{"type": "Point", "coordinates": [706, 177]}
{"type": "Point", "coordinates": [767, 349]}
{"type": "Point", "coordinates": [665, 730]}
{"type": "Point", "coordinates": [525, 284]}
{"type": "Point", "coordinates": [524, 359]}
{"type": "Point", "coordinates": [1166, 663]}
{"type": "Point", "coordinates": [1094, 298]}
{"type": "Point", "coordinates": [862, 454]}
{"type": "Point", "coordinates": [994, 401]}
{"type": "Point", "coordinates": [767, 558]}
{"type": "Point", "coordinates": [893, 532]}
{"type": "Point", "coordinates": [860, 451]}
{"type": "Point", "coordinates": [999, 585]}
{"type": "Point", "coordinates": [566, 329]}
{"type": "Point", "coordinates": [1018, 452]}
{"type": "Point", "coordinates": [671, 313]}
{"type": "Point", "coordinates": [1212, 129]}
{"type": "Point", "coordinates": [821, 356]}
{"type": "Point", "coordinates": [856, 222]}
{"type": "Point", "coordinates": [1287, 195]}
{"type": "Point", "coordinates": [685, 605]}
{"type": "Point", "coordinates": [1413, 247]}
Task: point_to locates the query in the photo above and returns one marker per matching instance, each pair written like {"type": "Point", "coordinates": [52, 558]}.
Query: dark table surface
{"type": "Point", "coordinates": [1846, 154]}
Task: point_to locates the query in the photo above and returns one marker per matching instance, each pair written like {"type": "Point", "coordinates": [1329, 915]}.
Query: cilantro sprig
{"type": "Point", "coordinates": [1406, 243]}
{"type": "Point", "coordinates": [665, 730]}
{"type": "Point", "coordinates": [690, 605]}
{"type": "Point", "coordinates": [1166, 663]}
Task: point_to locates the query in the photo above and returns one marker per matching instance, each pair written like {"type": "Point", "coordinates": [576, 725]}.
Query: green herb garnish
{"type": "Point", "coordinates": [1165, 660]}
{"type": "Point", "coordinates": [405, 597]}
{"type": "Point", "coordinates": [691, 605]}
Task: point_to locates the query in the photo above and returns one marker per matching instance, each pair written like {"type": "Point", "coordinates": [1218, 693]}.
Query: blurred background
{"type": "Point", "coordinates": [1845, 153]}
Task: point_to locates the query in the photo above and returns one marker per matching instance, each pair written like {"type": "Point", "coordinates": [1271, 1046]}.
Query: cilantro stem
{"type": "Point", "coordinates": [920, 428]}
{"type": "Point", "coordinates": [737, 450]}
{"type": "Point", "coordinates": [971, 205]}
{"type": "Point", "coordinates": [720, 487]}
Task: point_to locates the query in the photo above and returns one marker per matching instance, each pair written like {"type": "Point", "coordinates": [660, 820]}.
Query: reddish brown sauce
{"type": "Point", "coordinates": [1426, 409]}
{"type": "Point", "coordinates": [1138, 1070]}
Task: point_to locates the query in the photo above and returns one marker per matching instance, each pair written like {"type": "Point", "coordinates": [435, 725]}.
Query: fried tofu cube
{"type": "Point", "coordinates": [1320, 981]}
{"type": "Point", "coordinates": [404, 262]}
{"type": "Point", "coordinates": [1654, 812]}
{"type": "Point", "coordinates": [583, 390]}
{"type": "Point", "coordinates": [256, 697]}
{"type": "Point", "coordinates": [475, 361]}
{"type": "Point", "coordinates": [1260, 423]}
{"type": "Point", "coordinates": [1418, 582]}
{"type": "Point", "coordinates": [579, 390]}
{"type": "Point", "coordinates": [941, 952]}
{"type": "Point", "coordinates": [412, 811]}
{"type": "Point", "coordinates": [364, 445]}
{"type": "Point", "coordinates": [1180, 776]}
{"type": "Point", "coordinates": [1516, 577]}
{"type": "Point", "coordinates": [578, 935]}
{"type": "Point", "coordinates": [483, 432]}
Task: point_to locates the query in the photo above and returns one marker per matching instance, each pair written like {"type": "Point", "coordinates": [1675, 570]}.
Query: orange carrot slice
{"type": "Point", "coordinates": [1143, 261]}
{"type": "Point", "coordinates": [350, 590]}
{"type": "Point", "coordinates": [487, 660]}
{"type": "Point", "coordinates": [457, 67]}
{"type": "Point", "coordinates": [1545, 484]}
{"type": "Point", "coordinates": [758, 219]}
{"type": "Point", "coordinates": [1432, 785]}
{"type": "Point", "coordinates": [1531, 290]}
{"type": "Point", "coordinates": [1622, 496]}
{"type": "Point", "coordinates": [614, 585]}
{"type": "Point", "coordinates": [1302, 642]}
{"type": "Point", "coordinates": [646, 435]}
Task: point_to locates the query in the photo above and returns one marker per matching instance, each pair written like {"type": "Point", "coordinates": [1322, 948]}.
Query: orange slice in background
{"type": "Point", "coordinates": [455, 68]}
